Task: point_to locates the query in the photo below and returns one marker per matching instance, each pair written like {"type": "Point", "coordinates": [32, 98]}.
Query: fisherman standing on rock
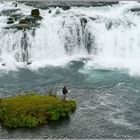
{"type": "Point", "coordinates": [65, 91]}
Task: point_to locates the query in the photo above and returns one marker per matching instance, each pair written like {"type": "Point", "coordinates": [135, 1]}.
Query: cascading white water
{"type": "Point", "coordinates": [108, 36]}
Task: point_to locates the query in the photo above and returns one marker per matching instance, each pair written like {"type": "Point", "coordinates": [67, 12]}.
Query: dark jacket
{"type": "Point", "coordinates": [65, 91]}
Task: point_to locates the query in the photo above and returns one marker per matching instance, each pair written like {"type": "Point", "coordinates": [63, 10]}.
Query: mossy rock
{"type": "Point", "coordinates": [32, 110]}
{"type": "Point", "coordinates": [35, 13]}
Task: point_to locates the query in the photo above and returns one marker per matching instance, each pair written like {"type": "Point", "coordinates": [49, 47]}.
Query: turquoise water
{"type": "Point", "coordinates": [108, 101]}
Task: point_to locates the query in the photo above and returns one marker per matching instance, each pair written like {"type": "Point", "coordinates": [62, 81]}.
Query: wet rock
{"type": "Point", "coordinates": [29, 63]}
{"type": "Point", "coordinates": [135, 10]}
{"type": "Point", "coordinates": [3, 64]}
{"type": "Point", "coordinates": [23, 25]}
{"type": "Point", "coordinates": [35, 13]}
{"type": "Point", "coordinates": [49, 11]}
{"type": "Point", "coordinates": [83, 22]}
{"type": "Point", "coordinates": [10, 21]}
{"type": "Point", "coordinates": [32, 19]}
{"type": "Point", "coordinates": [92, 18]}
{"type": "Point", "coordinates": [8, 12]}
{"type": "Point", "coordinates": [65, 7]}
{"type": "Point", "coordinates": [19, 26]}
{"type": "Point", "coordinates": [15, 4]}
{"type": "Point", "coordinates": [24, 21]}
{"type": "Point", "coordinates": [16, 16]}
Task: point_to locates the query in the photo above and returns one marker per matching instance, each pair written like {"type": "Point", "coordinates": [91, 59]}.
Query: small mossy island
{"type": "Point", "coordinates": [33, 110]}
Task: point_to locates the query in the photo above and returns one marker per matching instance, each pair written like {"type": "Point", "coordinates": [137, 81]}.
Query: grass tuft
{"type": "Point", "coordinates": [32, 110]}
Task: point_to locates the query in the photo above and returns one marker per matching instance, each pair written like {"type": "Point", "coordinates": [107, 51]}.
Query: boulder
{"type": "Point", "coordinates": [29, 63]}
{"type": "Point", "coordinates": [135, 9]}
{"type": "Point", "coordinates": [25, 22]}
{"type": "Point", "coordinates": [8, 12]}
{"type": "Point", "coordinates": [93, 18]}
{"type": "Point", "coordinates": [32, 19]}
{"type": "Point", "coordinates": [35, 13]}
{"type": "Point", "coordinates": [10, 21]}
{"type": "Point", "coordinates": [66, 7]}
{"type": "Point", "coordinates": [16, 16]}
{"type": "Point", "coordinates": [83, 22]}
{"type": "Point", "coordinates": [3, 64]}
{"type": "Point", "coordinates": [19, 26]}
{"type": "Point", "coordinates": [15, 4]}
{"type": "Point", "coordinates": [49, 11]}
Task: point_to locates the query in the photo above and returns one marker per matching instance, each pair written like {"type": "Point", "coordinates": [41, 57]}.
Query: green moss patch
{"type": "Point", "coordinates": [33, 110]}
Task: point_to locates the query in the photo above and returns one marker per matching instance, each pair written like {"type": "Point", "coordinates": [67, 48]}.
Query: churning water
{"type": "Point", "coordinates": [95, 51]}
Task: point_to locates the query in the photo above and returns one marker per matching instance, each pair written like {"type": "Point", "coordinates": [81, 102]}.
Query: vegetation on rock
{"type": "Point", "coordinates": [33, 110]}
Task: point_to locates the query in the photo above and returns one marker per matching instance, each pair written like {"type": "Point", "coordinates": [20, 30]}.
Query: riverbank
{"type": "Point", "coordinates": [33, 110]}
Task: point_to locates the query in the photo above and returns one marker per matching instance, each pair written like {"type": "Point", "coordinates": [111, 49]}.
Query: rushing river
{"type": "Point", "coordinates": [95, 51]}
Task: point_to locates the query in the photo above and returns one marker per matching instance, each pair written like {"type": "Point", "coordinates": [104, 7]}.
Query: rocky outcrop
{"type": "Point", "coordinates": [10, 21]}
{"type": "Point", "coordinates": [24, 21]}
{"type": "Point", "coordinates": [3, 64]}
{"type": "Point", "coordinates": [135, 10]}
{"type": "Point", "coordinates": [36, 14]}
{"type": "Point", "coordinates": [29, 63]}
{"type": "Point", "coordinates": [8, 12]}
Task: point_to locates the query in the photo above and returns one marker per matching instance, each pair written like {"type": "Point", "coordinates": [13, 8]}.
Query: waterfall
{"type": "Point", "coordinates": [108, 36]}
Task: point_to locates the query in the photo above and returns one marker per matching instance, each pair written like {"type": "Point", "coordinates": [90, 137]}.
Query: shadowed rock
{"type": "Point", "coordinates": [8, 12]}
{"type": "Point", "coordinates": [16, 16]}
{"type": "Point", "coordinates": [25, 22]}
{"type": "Point", "coordinates": [29, 63]}
{"type": "Point", "coordinates": [10, 21]}
{"type": "Point", "coordinates": [66, 7]}
{"type": "Point", "coordinates": [93, 18]}
{"type": "Point", "coordinates": [135, 10]}
{"type": "Point", "coordinates": [3, 64]}
{"type": "Point", "coordinates": [83, 22]}
{"type": "Point", "coordinates": [35, 13]}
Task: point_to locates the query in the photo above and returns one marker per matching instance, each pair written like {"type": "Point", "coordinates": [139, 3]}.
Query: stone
{"type": "Point", "coordinates": [3, 64]}
{"type": "Point", "coordinates": [83, 20]}
{"type": "Point", "coordinates": [29, 63]}
{"type": "Point", "coordinates": [49, 11]}
{"type": "Point", "coordinates": [93, 18]}
{"type": "Point", "coordinates": [10, 21]}
{"type": "Point", "coordinates": [35, 13]}
{"type": "Point", "coordinates": [135, 10]}
{"type": "Point", "coordinates": [16, 16]}
{"type": "Point", "coordinates": [23, 21]}
{"type": "Point", "coordinates": [8, 12]}
{"type": "Point", "coordinates": [66, 7]}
